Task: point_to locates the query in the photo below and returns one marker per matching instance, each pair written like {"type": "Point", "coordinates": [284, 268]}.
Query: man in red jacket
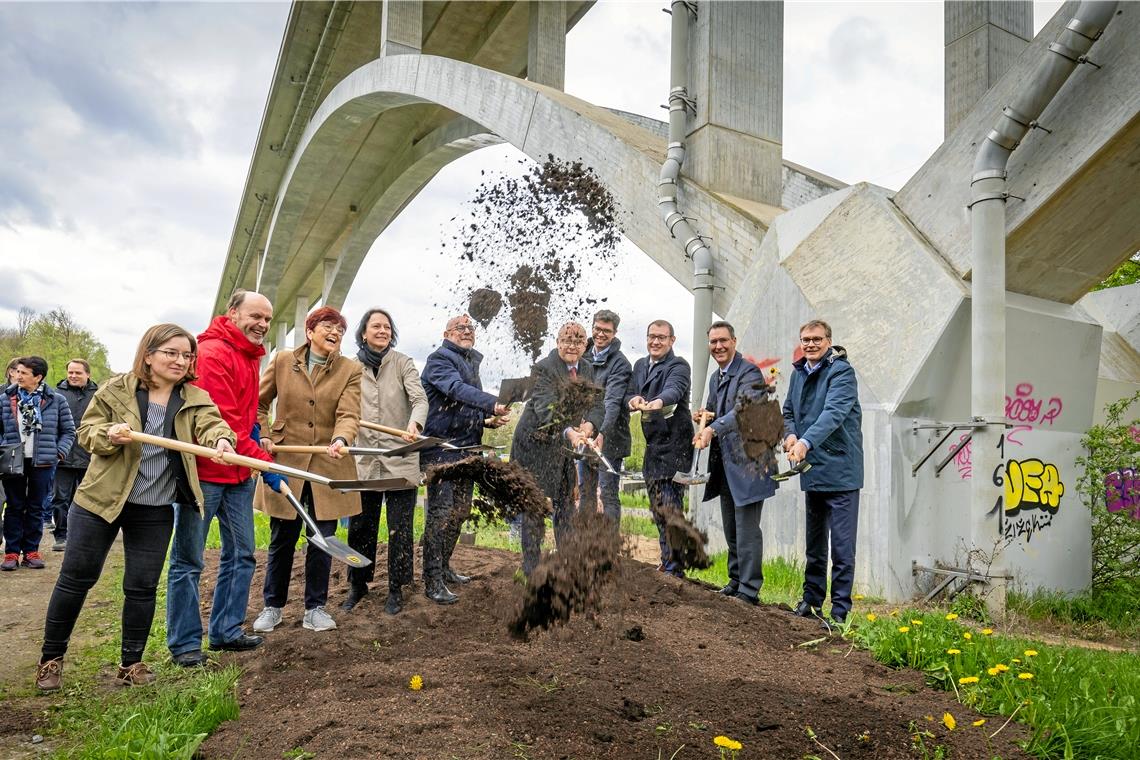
{"type": "Point", "coordinates": [229, 355]}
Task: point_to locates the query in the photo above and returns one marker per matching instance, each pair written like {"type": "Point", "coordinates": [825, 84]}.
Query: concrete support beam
{"type": "Point", "coordinates": [401, 27]}
{"type": "Point", "coordinates": [736, 76]}
{"type": "Point", "coordinates": [282, 334]}
{"type": "Point", "coordinates": [983, 38]}
{"type": "Point", "coordinates": [299, 318]}
{"type": "Point", "coordinates": [546, 43]}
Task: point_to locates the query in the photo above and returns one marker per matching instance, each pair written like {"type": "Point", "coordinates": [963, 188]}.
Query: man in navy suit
{"type": "Point", "coordinates": [659, 389]}
{"type": "Point", "coordinates": [740, 483]}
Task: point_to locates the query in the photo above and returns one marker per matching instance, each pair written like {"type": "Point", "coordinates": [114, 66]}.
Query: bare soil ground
{"type": "Point", "coordinates": [661, 669]}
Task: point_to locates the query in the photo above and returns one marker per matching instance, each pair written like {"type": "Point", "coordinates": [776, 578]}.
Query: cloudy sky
{"type": "Point", "coordinates": [126, 131]}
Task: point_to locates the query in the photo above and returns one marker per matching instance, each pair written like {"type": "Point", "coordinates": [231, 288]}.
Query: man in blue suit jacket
{"type": "Point", "coordinates": [659, 389]}
{"type": "Point", "coordinates": [741, 483]}
{"type": "Point", "coordinates": [823, 423]}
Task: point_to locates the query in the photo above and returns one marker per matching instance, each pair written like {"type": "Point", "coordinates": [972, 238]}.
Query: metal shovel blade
{"type": "Point", "coordinates": [330, 545]}
{"type": "Point", "coordinates": [797, 469]}
{"type": "Point", "coordinates": [381, 484]}
{"type": "Point", "coordinates": [690, 478]}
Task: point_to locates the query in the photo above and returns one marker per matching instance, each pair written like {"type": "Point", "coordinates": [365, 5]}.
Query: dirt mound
{"type": "Point", "coordinates": [505, 490]}
{"type": "Point", "coordinates": [649, 673]}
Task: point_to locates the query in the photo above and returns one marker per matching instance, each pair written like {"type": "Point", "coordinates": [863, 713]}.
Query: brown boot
{"type": "Point", "coordinates": [49, 674]}
{"type": "Point", "coordinates": [135, 674]}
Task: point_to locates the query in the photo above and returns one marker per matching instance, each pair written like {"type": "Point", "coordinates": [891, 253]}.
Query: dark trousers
{"type": "Point", "coordinates": [665, 494]}
{"type": "Point", "coordinates": [448, 505]}
{"type": "Point", "coordinates": [146, 534]}
{"type": "Point", "coordinates": [745, 544]}
{"type": "Point", "coordinates": [534, 527]}
{"type": "Point", "coordinates": [67, 479]}
{"type": "Point", "coordinates": [832, 516]}
{"type": "Point", "coordinates": [591, 479]}
{"type": "Point", "coordinates": [24, 516]}
{"type": "Point", "coordinates": [283, 536]}
{"type": "Point", "coordinates": [362, 536]}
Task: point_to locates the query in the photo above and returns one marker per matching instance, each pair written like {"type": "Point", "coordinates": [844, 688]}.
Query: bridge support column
{"type": "Point", "coordinates": [546, 46]}
{"type": "Point", "coordinates": [401, 27]}
{"type": "Point", "coordinates": [983, 37]}
{"type": "Point", "coordinates": [736, 77]}
{"type": "Point", "coordinates": [282, 333]}
{"type": "Point", "coordinates": [299, 319]}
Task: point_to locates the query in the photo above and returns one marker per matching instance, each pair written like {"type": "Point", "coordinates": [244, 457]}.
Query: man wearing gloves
{"type": "Point", "coordinates": [229, 354]}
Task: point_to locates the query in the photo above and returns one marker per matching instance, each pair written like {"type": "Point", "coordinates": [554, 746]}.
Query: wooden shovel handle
{"type": "Point", "coordinates": [385, 429]}
{"type": "Point", "coordinates": [201, 451]}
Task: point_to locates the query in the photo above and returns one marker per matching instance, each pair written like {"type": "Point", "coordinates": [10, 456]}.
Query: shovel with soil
{"type": "Point", "coordinates": [693, 477]}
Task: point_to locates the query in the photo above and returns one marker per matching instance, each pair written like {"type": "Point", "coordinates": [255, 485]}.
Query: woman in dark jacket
{"type": "Point", "coordinates": [37, 418]}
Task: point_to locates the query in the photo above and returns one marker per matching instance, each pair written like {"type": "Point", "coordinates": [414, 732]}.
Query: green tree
{"type": "Point", "coordinates": [1125, 274]}
{"type": "Point", "coordinates": [58, 338]}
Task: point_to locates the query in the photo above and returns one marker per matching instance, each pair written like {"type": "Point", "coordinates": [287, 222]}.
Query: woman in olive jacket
{"type": "Point", "coordinates": [132, 487]}
{"type": "Point", "coordinates": [391, 394]}
{"type": "Point", "coordinates": [318, 403]}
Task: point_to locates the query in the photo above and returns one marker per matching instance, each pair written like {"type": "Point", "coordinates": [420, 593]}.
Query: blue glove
{"type": "Point", "coordinates": [274, 481]}
{"type": "Point", "coordinates": [255, 434]}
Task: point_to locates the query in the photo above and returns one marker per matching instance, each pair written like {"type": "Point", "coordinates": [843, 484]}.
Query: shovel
{"type": "Point", "coordinates": [798, 468]}
{"type": "Point", "coordinates": [361, 451]}
{"type": "Point", "coordinates": [693, 477]}
{"type": "Point", "coordinates": [385, 484]}
{"type": "Point", "coordinates": [588, 451]}
{"type": "Point", "coordinates": [422, 441]}
{"type": "Point", "coordinates": [330, 545]}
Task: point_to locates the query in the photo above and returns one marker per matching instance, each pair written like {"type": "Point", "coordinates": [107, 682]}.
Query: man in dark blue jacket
{"type": "Point", "coordinates": [77, 388]}
{"type": "Point", "coordinates": [458, 408]}
{"type": "Point", "coordinates": [823, 423]}
{"type": "Point", "coordinates": [740, 482]}
{"type": "Point", "coordinates": [659, 389]}
{"type": "Point", "coordinates": [612, 372]}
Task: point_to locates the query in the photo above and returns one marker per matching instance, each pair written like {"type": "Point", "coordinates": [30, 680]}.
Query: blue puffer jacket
{"type": "Point", "coordinates": [57, 433]}
{"type": "Point", "coordinates": [823, 407]}
{"type": "Point", "coordinates": [457, 403]}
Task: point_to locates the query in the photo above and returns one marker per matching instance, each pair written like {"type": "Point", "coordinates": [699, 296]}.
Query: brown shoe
{"type": "Point", "coordinates": [135, 674]}
{"type": "Point", "coordinates": [49, 674]}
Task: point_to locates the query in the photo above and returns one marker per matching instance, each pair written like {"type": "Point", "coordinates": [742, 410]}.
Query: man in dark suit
{"type": "Point", "coordinates": [659, 389]}
{"type": "Point", "coordinates": [612, 371]}
{"type": "Point", "coordinates": [548, 428]}
{"type": "Point", "coordinates": [739, 482]}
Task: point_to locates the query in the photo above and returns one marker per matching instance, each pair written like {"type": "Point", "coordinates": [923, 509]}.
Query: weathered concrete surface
{"type": "Point", "coordinates": [1063, 238]}
{"type": "Point", "coordinates": [983, 37]}
{"type": "Point", "coordinates": [1118, 312]}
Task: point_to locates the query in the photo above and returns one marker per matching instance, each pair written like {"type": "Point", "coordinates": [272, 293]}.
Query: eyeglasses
{"type": "Point", "coordinates": [604, 330]}
{"type": "Point", "coordinates": [172, 355]}
{"type": "Point", "coordinates": [331, 327]}
{"type": "Point", "coordinates": [657, 338]}
{"type": "Point", "coordinates": [812, 340]}
{"type": "Point", "coordinates": [574, 341]}
{"type": "Point", "coordinates": [463, 329]}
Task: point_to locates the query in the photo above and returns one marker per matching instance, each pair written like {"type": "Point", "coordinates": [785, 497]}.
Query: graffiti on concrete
{"type": "Point", "coordinates": [1030, 498]}
{"type": "Point", "coordinates": [1025, 407]}
{"type": "Point", "coordinates": [962, 458]}
{"type": "Point", "coordinates": [1122, 492]}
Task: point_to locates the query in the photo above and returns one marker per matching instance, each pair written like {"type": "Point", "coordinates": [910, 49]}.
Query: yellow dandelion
{"type": "Point", "coordinates": [1030, 652]}
{"type": "Point", "coordinates": [952, 616]}
{"type": "Point", "coordinates": [1015, 660]}
{"type": "Point", "coordinates": [948, 721]}
{"type": "Point", "coordinates": [953, 651]}
{"type": "Point", "coordinates": [916, 622]}
{"type": "Point", "coordinates": [858, 597]}
{"type": "Point", "coordinates": [904, 629]}
{"type": "Point", "coordinates": [993, 671]}
{"type": "Point", "coordinates": [987, 631]}
{"type": "Point", "coordinates": [967, 635]}
{"type": "Point", "coordinates": [979, 722]}
{"type": "Point", "coordinates": [726, 743]}
{"type": "Point", "coordinates": [1025, 676]}
{"type": "Point", "coordinates": [872, 617]}
{"type": "Point", "coordinates": [929, 718]}
{"type": "Point", "coordinates": [968, 679]}
{"type": "Point", "coordinates": [894, 613]}
{"type": "Point", "coordinates": [416, 683]}
{"type": "Point", "coordinates": [1002, 667]}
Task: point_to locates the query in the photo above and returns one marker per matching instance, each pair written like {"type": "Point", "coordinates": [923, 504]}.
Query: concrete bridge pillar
{"type": "Point", "coordinates": [401, 27]}
{"type": "Point", "coordinates": [546, 43]}
{"type": "Point", "coordinates": [736, 76]}
{"type": "Point", "coordinates": [983, 37]}
{"type": "Point", "coordinates": [299, 318]}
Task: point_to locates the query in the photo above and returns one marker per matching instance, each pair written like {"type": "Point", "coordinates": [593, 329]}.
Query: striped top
{"type": "Point", "coordinates": [154, 485]}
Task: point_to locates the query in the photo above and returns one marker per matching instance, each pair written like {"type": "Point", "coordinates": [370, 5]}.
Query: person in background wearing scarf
{"type": "Point", "coordinates": [36, 417]}
{"type": "Point", "coordinates": [390, 394]}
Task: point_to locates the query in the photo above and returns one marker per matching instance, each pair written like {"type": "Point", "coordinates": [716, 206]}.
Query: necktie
{"type": "Point", "coordinates": [573, 373]}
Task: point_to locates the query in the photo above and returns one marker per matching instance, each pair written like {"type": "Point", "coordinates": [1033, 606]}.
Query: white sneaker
{"type": "Point", "coordinates": [317, 619]}
{"type": "Point", "coordinates": [269, 619]}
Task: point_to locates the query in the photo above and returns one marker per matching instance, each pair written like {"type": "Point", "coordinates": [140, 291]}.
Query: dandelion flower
{"type": "Point", "coordinates": [1025, 676]}
{"type": "Point", "coordinates": [953, 651]}
{"type": "Point", "coordinates": [987, 631]}
{"type": "Point", "coordinates": [1002, 667]}
{"type": "Point", "coordinates": [993, 671]}
{"type": "Point", "coordinates": [948, 721]}
{"type": "Point", "coordinates": [1015, 661]}
{"type": "Point", "coordinates": [979, 722]}
{"type": "Point", "coordinates": [416, 683]}
{"type": "Point", "coordinates": [858, 597]}
{"type": "Point", "coordinates": [1030, 652]}
{"type": "Point", "coordinates": [894, 613]}
{"type": "Point", "coordinates": [968, 679]}
{"type": "Point", "coordinates": [724, 741]}
{"type": "Point", "coordinates": [904, 629]}
{"type": "Point", "coordinates": [951, 615]}
{"type": "Point", "coordinates": [872, 617]}
{"type": "Point", "coordinates": [916, 622]}
{"type": "Point", "coordinates": [967, 635]}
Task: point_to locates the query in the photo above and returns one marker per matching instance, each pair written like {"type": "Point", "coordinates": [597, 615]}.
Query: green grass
{"type": "Point", "coordinates": [1076, 702]}
{"type": "Point", "coordinates": [783, 580]}
{"type": "Point", "coordinates": [1093, 614]}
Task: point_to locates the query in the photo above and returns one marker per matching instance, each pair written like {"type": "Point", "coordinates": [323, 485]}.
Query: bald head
{"type": "Point", "coordinates": [460, 331]}
{"type": "Point", "coordinates": [571, 342]}
{"type": "Point", "coordinates": [251, 313]}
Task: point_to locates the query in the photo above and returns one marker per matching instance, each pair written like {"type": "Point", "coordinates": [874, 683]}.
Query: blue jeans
{"type": "Point", "coordinates": [24, 516]}
{"type": "Point", "coordinates": [590, 478]}
{"type": "Point", "coordinates": [232, 503]}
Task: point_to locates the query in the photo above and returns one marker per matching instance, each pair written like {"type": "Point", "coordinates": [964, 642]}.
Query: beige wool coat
{"type": "Point", "coordinates": [310, 411]}
{"type": "Point", "coordinates": [394, 397]}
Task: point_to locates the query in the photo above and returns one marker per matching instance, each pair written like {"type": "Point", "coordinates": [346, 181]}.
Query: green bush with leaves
{"type": "Point", "coordinates": [1111, 468]}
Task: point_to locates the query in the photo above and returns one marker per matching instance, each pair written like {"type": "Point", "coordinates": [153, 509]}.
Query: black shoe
{"type": "Point", "coordinates": [729, 590]}
{"type": "Point", "coordinates": [355, 594]}
{"type": "Point", "coordinates": [805, 610]}
{"type": "Point", "coordinates": [242, 643]}
{"type": "Point", "coordinates": [193, 659]}
{"type": "Point", "coordinates": [746, 598]}
{"type": "Point", "coordinates": [395, 603]}
{"type": "Point", "coordinates": [454, 578]}
{"type": "Point", "coordinates": [439, 593]}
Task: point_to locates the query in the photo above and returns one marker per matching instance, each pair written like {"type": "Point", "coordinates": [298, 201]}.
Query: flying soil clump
{"type": "Point", "coordinates": [484, 305]}
{"type": "Point", "coordinates": [506, 490]}
{"type": "Point", "coordinates": [761, 423]}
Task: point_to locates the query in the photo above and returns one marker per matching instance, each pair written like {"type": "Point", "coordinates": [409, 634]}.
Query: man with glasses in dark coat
{"type": "Point", "coordinates": [612, 372]}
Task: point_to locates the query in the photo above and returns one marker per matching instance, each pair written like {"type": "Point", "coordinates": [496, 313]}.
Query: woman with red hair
{"type": "Point", "coordinates": [318, 402]}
